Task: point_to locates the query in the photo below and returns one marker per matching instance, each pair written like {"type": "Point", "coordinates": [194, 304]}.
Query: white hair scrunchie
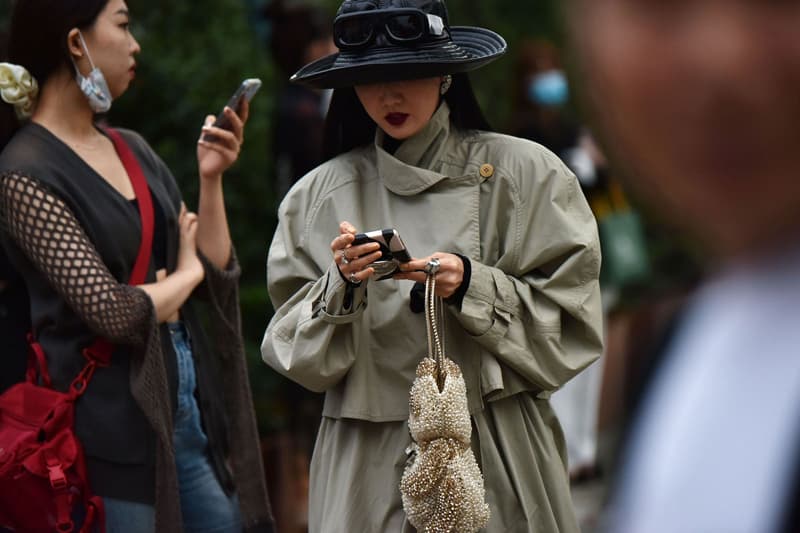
{"type": "Point", "coordinates": [18, 88]}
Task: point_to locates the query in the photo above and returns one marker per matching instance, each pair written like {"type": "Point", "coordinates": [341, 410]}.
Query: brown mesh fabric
{"type": "Point", "coordinates": [50, 236]}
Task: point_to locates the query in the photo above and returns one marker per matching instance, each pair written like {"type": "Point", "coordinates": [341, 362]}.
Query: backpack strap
{"type": "Point", "coordinates": [37, 363]}
{"type": "Point", "coordinates": [134, 170]}
{"type": "Point", "coordinates": [100, 351]}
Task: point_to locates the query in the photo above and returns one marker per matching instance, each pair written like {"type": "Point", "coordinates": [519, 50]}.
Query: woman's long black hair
{"type": "Point", "coordinates": [37, 40]}
{"type": "Point", "coordinates": [348, 125]}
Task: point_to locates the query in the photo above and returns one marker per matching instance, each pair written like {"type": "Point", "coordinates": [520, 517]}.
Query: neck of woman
{"type": "Point", "coordinates": [63, 109]}
{"type": "Point", "coordinates": [390, 144]}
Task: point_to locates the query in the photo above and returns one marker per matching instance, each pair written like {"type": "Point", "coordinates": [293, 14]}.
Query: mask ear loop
{"type": "Point", "coordinates": [85, 49]}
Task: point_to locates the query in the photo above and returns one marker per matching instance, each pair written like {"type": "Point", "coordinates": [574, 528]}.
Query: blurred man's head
{"type": "Point", "coordinates": [699, 102]}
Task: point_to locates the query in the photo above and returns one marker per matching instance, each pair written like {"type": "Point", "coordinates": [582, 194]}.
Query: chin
{"type": "Point", "coordinates": [400, 133]}
{"type": "Point", "coordinates": [117, 92]}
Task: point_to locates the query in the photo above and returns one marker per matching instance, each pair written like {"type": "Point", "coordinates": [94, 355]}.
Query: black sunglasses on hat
{"type": "Point", "coordinates": [391, 40]}
{"type": "Point", "coordinates": [403, 26]}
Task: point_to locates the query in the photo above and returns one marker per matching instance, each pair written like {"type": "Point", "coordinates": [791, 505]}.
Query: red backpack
{"type": "Point", "coordinates": [43, 478]}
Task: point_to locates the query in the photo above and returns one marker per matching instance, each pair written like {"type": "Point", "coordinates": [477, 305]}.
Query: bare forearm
{"type": "Point", "coordinates": [169, 294]}
{"type": "Point", "coordinates": [213, 235]}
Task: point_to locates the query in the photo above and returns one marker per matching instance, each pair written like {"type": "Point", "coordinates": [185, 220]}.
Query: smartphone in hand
{"type": "Point", "coordinates": [247, 89]}
{"type": "Point", "coordinates": [393, 251]}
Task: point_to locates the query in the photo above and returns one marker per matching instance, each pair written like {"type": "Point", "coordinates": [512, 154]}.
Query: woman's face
{"type": "Point", "coordinates": [112, 47]}
{"type": "Point", "coordinates": [401, 108]}
{"type": "Point", "coordinates": [700, 102]}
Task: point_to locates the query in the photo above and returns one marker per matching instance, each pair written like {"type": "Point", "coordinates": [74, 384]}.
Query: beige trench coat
{"type": "Point", "coordinates": [530, 320]}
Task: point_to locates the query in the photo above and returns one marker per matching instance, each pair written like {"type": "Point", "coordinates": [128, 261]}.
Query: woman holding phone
{"type": "Point", "coordinates": [168, 427]}
{"type": "Point", "coordinates": [519, 257]}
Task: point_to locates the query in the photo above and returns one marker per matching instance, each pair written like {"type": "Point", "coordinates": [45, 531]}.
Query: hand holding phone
{"type": "Point", "coordinates": [393, 251]}
{"type": "Point", "coordinates": [247, 89]}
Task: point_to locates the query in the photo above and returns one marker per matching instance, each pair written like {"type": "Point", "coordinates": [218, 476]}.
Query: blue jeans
{"type": "Point", "coordinates": [205, 507]}
{"type": "Point", "coordinates": [129, 517]}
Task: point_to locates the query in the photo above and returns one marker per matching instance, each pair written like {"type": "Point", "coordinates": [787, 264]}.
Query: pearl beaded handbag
{"type": "Point", "coordinates": [442, 486]}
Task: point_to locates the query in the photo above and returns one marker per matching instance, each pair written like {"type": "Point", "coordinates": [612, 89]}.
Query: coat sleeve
{"type": "Point", "coordinates": [537, 310]}
{"type": "Point", "coordinates": [311, 337]}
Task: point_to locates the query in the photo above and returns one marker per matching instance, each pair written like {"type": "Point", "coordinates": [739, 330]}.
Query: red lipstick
{"type": "Point", "coordinates": [396, 119]}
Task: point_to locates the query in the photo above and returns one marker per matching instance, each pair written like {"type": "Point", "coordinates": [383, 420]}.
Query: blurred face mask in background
{"type": "Point", "coordinates": [93, 86]}
{"type": "Point", "coordinates": [549, 89]}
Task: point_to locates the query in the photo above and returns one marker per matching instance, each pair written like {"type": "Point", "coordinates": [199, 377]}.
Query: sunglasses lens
{"type": "Point", "coordinates": [353, 32]}
{"type": "Point", "coordinates": [405, 27]}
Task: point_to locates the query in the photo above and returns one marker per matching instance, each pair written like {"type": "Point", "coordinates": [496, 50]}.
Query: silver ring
{"type": "Point", "coordinates": [353, 279]}
{"type": "Point", "coordinates": [433, 266]}
{"type": "Point", "coordinates": [345, 260]}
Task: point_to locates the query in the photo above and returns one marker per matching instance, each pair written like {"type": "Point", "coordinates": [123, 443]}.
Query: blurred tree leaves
{"type": "Point", "coordinates": [193, 57]}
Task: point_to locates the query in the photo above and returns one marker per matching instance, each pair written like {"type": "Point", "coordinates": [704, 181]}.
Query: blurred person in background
{"type": "Point", "coordinates": [697, 102]}
{"type": "Point", "coordinates": [543, 113]}
{"type": "Point", "coordinates": [299, 35]}
{"type": "Point", "coordinates": [541, 97]}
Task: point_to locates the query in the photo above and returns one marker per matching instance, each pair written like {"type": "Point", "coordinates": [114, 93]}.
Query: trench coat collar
{"type": "Point", "coordinates": [412, 168]}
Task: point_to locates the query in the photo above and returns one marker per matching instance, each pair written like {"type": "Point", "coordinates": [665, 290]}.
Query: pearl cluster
{"type": "Point", "coordinates": [442, 487]}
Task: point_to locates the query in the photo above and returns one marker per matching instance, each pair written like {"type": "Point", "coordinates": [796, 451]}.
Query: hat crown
{"type": "Point", "coordinates": [371, 49]}
{"type": "Point", "coordinates": [432, 7]}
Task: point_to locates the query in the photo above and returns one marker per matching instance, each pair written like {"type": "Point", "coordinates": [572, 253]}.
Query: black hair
{"type": "Point", "coordinates": [348, 125]}
{"type": "Point", "coordinates": [37, 40]}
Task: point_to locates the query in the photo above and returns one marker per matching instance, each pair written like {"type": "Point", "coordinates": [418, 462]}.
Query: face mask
{"type": "Point", "coordinates": [93, 86]}
{"type": "Point", "coordinates": [549, 89]}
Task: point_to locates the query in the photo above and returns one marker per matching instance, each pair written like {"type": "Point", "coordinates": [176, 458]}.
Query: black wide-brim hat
{"type": "Point", "coordinates": [466, 49]}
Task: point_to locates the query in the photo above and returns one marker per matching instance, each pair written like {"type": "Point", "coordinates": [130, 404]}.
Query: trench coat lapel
{"type": "Point", "coordinates": [413, 167]}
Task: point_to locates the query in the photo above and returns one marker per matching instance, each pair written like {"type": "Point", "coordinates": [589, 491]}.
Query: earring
{"type": "Point", "coordinates": [446, 83]}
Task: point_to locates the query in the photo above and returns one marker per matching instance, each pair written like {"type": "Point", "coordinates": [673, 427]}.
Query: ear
{"type": "Point", "coordinates": [74, 44]}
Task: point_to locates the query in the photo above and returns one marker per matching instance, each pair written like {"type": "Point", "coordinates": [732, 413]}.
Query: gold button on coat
{"type": "Point", "coordinates": [487, 170]}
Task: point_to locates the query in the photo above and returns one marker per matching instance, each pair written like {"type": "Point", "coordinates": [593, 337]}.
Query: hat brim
{"type": "Point", "coordinates": [469, 49]}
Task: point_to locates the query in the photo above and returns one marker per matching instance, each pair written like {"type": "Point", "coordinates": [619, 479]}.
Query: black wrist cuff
{"type": "Point", "coordinates": [457, 298]}
{"type": "Point", "coordinates": [417, 297]}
